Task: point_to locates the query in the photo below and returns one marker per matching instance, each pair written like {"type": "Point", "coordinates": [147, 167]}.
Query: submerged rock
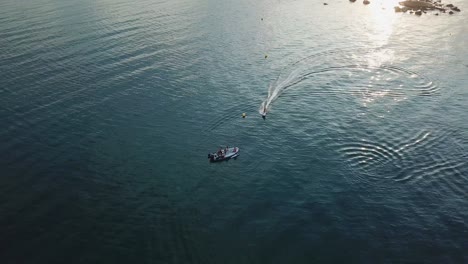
{"type": "Point", "coordinates": [419, 7]}
{"type": "Point", "coordinates": [352, 1]}
{"type": "Point", "coordinates": [417, 4]}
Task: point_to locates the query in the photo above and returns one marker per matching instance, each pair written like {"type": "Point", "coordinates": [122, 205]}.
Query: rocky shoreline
{"type": "Point", "coordinates": [422, 7]}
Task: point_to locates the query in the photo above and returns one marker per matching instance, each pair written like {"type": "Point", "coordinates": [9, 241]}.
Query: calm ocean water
{"type": "Point", "coordinates": [108, 109]}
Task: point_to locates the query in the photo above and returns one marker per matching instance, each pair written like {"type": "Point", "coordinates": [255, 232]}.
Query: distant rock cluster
{"type": "Point", "coordinates": [423, 6]}
{"type": "Point", "coordinates": [418, 7]}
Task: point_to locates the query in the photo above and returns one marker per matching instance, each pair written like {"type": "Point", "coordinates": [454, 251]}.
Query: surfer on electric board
{"type": "Point", "coordinates": [264, 112]}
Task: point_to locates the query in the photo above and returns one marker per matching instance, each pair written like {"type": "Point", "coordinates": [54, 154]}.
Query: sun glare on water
{"type": "Point", "coordinates": [382, 19]}
{"type": "Point", "coordinates": [380, 25]}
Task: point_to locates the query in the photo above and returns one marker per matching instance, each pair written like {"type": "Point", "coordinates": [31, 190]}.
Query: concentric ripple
{"type": "Point", "coordinates": [368, 153]}
{"type": "Point", "coordinates": [428, 157]}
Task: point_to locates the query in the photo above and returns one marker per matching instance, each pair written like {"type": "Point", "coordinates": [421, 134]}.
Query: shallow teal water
{"type": "Point", "coordinates": [109, 108]}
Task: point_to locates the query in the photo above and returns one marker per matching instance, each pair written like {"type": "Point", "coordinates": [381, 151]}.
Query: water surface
{"type": "Point", "coordinates": [108, 109]}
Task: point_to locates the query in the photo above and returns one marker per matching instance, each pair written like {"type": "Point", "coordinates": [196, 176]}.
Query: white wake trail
{"type": "Point", "coordinates": [276, 88]}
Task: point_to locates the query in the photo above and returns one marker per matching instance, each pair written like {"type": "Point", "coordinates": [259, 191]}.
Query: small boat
{"type": "Point", "coordinates": [224, 153]}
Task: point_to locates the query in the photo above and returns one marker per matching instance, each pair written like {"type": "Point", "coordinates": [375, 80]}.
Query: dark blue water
{"type": "Point", "coordinates": [108, 109]}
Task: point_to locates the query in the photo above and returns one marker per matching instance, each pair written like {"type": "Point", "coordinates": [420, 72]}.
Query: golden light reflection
{"type": "Point", "coordinates": [382, 18]}
{"type": "Point", "coordinates": [381, 21]}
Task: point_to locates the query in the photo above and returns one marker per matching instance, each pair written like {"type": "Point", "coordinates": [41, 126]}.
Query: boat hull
{"type": "Point", "coordinates": [224, 154]}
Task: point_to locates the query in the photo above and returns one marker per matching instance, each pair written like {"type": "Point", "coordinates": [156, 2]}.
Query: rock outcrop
{"type": "Point", "coordinates": [419, 7]}
{"type": "Point", "coordinates": [423, 6]}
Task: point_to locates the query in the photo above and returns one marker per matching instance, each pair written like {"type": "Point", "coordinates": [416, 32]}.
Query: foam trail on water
{"type": "Point", "coordinates": [276, 88]}
{"type": "Point", "coordinates": [385, 81]}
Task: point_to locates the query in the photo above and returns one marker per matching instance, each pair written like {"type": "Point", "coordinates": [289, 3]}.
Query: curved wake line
{"type": "Point", "coordinates": [425, 87]}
